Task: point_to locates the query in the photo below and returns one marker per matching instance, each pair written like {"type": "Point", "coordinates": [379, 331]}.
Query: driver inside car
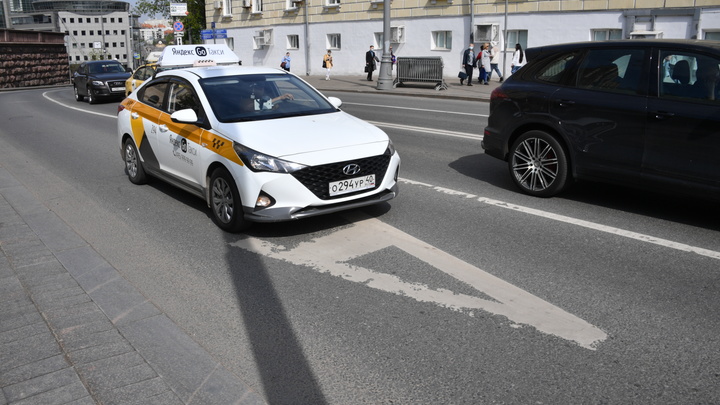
{"type": "Point", "coordinates": [261, 101]}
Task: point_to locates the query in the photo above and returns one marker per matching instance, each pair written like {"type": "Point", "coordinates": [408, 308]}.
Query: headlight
{"type": "Point", "coordinates": [259, 162]}
{"type": "Point", "coordinates": [390, 149]}
{"type": "Point", "coordinates": [98, 83]}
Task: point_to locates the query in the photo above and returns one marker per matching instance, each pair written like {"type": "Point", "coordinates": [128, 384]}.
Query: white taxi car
{"type": "Point", "coordinates": [258, 144]}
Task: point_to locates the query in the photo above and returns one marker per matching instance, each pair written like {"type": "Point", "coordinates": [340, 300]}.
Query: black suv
{"type": "Point", "coordinates": [100, 79]}
{"type": "Point", "coordinates": [633, 112]}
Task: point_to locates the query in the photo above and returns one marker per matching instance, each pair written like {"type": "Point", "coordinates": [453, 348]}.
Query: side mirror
{"type": "Point", "coordinates": [187, 116]}
{"type": "Point", "coordinates": [335, 101]}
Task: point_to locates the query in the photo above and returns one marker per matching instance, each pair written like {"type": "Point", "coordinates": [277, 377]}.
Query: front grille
{"type": "Point", "coordinates": [118, 83]}
{"type": "Point", "coordinates": [316, 178]}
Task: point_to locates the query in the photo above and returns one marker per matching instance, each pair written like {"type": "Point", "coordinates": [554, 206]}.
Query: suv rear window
{"type": "Point", "coordinates": [556, 67]}
{"type": "Point", "coordinates": [614, 70]}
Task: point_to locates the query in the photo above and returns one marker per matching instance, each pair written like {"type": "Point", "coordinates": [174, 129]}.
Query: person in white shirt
{"type": "Point", "coordinates": [519, 59]}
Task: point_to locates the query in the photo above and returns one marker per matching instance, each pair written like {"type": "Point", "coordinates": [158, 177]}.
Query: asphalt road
{"type": "Point", "coordinates": [459, 291]}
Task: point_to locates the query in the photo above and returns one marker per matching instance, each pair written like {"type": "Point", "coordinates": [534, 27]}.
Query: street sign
{"type": "Point", "coordinates": [221, 33]}
{"type": "Point", "coordinates": [206, 34]}
{"type": "Point", "coordinates": [178, 9]}
{"type": "Point", "coordinates": [178, 26]}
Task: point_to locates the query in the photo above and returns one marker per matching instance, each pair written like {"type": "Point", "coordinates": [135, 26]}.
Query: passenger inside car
{"type": "Point", "coordinates": [708, 77]}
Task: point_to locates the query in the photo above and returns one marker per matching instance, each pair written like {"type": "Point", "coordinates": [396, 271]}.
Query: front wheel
{"type": "Point", "coordinates": [133, 165]}
{"type": "Point", "coordinates": [538, 164]}
{"type": "Point", "coordinates": [225, 203]}
{"type": "Point", "coordinates": [92, 99]}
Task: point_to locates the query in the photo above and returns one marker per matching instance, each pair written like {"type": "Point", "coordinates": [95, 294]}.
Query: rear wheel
{"type": "Point", "coordinates": [133, 165]}
{"type": "Point", "coordinates": [538, 164]}
{"type": "Point", "coordinates": [78, 97]}
{"type": "Point", "coordinates": [225, 203]}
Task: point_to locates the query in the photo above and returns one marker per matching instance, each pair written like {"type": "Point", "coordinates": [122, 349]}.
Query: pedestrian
{"type": "Point", "coordinates": [327, 64]}
{"type": "Point", "coordinates": [285, 63]}
{"type": "Point", "coordinates": [393, 59]}
{"type": "Point", "coordinates": [519, 59]}
{"type": "Point", "coordinates": [494, 60]}
{"type": "Point", "coordinates": [484, 58]}
{"type": "Point", "coordinates": [370, 62]}
{"type": "Point", "coordinates": [468, 62]}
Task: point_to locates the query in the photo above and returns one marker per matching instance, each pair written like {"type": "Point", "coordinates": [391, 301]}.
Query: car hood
{"type": "Point", "coordinates": [307, 139]}
{"type": "Point", "coordinates": [110, 76]}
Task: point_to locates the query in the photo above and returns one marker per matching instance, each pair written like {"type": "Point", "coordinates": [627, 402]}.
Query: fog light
{"type": "Point", "coordinates": [263, 201]}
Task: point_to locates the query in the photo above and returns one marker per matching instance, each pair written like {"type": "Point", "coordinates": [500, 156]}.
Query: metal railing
{"type": "Point", "coordinates": [421, 70]}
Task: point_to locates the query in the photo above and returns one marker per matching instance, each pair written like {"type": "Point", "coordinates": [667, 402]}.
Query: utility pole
{"type": "Point", "coordinates": [385, 81]}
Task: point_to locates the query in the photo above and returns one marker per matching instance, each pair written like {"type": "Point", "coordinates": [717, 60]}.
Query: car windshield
{"type": "Point", "coordinates": [106, 68]}
{"type": "Point", "coordinates": [260, 97]}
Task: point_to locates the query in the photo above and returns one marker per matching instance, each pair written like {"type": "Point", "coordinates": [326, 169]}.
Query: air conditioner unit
{"type": "Point", "coordinates": [267, 37]}
{"type": "Point", "coordinates": [487, 33]}
{"type": "Point", "coordinates": [397, 35]}
{"type": "Point", "coordinates": [217, 5]}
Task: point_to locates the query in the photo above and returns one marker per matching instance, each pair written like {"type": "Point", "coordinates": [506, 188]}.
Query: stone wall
{"type": "Point", "coordinates": [31, 59]}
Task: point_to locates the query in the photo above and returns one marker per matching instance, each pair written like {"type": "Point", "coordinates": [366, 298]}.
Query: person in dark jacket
{"type": "Point", "coordinates": [468, 62]}
{"type": "Point", "coordinates": [370, 62]}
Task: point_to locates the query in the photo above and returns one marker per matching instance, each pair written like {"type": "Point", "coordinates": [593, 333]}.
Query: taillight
{"type": "Point", "coordinates": [120, 108]}
{"type": "Point", "coordinates": [498, 94]}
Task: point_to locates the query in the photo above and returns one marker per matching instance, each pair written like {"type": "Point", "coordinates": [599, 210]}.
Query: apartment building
{"type": "Point", "coordinates": [261, 31]}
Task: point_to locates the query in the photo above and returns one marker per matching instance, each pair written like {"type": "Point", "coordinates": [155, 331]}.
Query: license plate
{"type": "Point", "coordinates": [351, 185]}
{"type": "Point", "coordinates": [118, 89]}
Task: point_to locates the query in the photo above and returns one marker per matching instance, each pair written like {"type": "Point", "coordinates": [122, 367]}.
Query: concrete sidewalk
{"type": "Point", "coordinates": [74, 331]}
{"type": "Point", "coordinates": [359, 84]}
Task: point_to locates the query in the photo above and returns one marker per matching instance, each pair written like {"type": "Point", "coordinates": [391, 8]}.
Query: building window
{"type": "Point", "coordinates": [112, 19]}
{"type": "Point", "coordinates": [104, 20]}
{"type": "Point", "coordinates": [114, 32]}
{"type": "Point", "coordinates": [122, 44]}
{"type": "Point", "coordinates": [442, 40]}
{"type": "Point", "coordinates": [87, 20]}
{"type": "Point", "coordinates": [257, 6]}
{"type": "Point", "coordinates": [72, 20]}
{"type": "Point", "coordinates": [333, 41]}
{"type": "Point", "coordinates": [82, 32]}
{"type": "Point", "coordinates": [97, 20]}
{"type": "Point", "coordinates": [74, 45]}
{"type": "Point", "coordinates": [75, 33]}
{"type": "Point", "coordinates": [107, 45]}
{"type": "Point", "coordinates": [293, 42]}
{"type": "Point", "coordinates": [516, 37]}
{"type": "Point", "coordinates": [85, 57]}
{"type": "Point", "coordinates": [77, 58]}
{"type": "Point", "coordinates": [333, 2]}
{"type": "Point", "coordinates": [120, 20]}
{"type": "Point", "coordinates": [114, 44]}
{"type": "Point", "coordinates": [122, 32]}
{"type": "Point", "coordinates": [378, 40]}
{"type": "Point", "coordinates": [712, 35]}
{"type": "Point", "coordinates": [604, 35]}
{"type": "Point", "coordinates": [107, 32]}
{"type": "Point", "coordinates": [82, 45]}
{"type": "Point", "coordinates": [63, 20]}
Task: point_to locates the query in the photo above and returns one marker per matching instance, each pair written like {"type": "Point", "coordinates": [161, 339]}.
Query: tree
{"type": "Point", "coordinates": [194, 21]}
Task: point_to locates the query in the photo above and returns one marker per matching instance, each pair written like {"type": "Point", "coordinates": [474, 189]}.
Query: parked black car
{"type": "Point", "coordinates": [100, 79]}
{"type": "Point", "coordinates": [633, 112]}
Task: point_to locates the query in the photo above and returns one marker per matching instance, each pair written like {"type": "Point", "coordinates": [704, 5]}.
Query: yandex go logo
{"type": "Point", "coordinates": [201, 51]}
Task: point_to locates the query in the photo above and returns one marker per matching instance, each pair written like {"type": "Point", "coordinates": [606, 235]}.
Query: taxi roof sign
{"type": "Point", "coordinates": [188, 55]}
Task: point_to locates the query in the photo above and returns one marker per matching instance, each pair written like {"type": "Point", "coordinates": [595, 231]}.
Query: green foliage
{"type": "Point", "coordinates": [194, 22]}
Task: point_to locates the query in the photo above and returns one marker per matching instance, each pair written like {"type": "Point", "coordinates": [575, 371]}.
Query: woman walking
{"type": "Point", "coordinates": [519, 59]}
{"type": "Point", "coordinates": [327, 64]}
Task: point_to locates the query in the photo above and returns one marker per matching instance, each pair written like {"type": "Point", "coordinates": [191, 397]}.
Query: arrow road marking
{"type": "Point", "coordinates": [332, 254]}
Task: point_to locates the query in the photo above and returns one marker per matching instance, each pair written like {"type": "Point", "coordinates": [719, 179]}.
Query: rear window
{"type": "Point", "coordinates": [613, 70]}
{"type": "Point", "coordinates": [555, 68]}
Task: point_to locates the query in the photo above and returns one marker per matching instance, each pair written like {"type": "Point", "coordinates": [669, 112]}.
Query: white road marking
{"type": "Point", "coordinates": [418, 109]}
{"type": "Point", "coordinates": [579, 222]}
{"type": "Point", "coordinates": [45, 94]}
{"type": "Point", "coordinates": [332, 254]}
{"type": "Point", "coordinates": [433, 131]}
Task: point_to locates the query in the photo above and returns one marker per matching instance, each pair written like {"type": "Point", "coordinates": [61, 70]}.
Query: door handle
{"type": "Point", "coordinates": [163, 128]}
{"type": "Point", "coordinates": [565, 103]}
{"type": "Point", "coordinates": [134, 115]}
{"type": "Point", "coordinates": [661, 115]}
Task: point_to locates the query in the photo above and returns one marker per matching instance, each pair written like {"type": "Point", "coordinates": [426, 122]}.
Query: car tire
{"type": "Point", "coordinates": [133, 165]}
{"type": "Point", "coordinates": [78, 97]}
{"type": "Point", "coordinates": [91, 97]}
{"type": "Point", "coordinates": [225, 203]}
{"type": "Point", "coordinates": [538, 164]}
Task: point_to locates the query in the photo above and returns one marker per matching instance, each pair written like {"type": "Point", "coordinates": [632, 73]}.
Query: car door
{"type": "Point", "coordinates": [178, 144]}
{"type": "Point", "coordinates": [144, 122]}
{"type": "Point", "coordinates": [80, 79]}
{"type": "Point", "coordinates": [683, 131]}
{"type": "Point", "coordinates": [603, 115]}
